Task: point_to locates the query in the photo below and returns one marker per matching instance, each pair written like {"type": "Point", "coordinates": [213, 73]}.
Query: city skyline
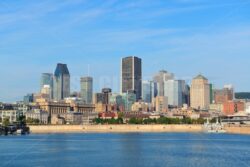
{"type": "Point", "coordinates": [157, 82]}
{"type": "Point", "coordinates": [184, 37]}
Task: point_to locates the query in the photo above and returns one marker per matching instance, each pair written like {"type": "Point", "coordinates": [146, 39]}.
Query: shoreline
{"type": "Point", "coordinates": [54, 129]}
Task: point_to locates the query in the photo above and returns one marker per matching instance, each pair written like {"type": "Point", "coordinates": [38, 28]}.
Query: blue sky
{"type": "Point", "coordinates": [186, 37]}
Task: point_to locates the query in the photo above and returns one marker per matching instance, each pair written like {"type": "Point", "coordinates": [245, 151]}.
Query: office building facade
{"type": "Point", "coordinates": [61, 82]}
{"type": "Point", "coordinates": [160, 78]}
{"type": "Point", "coordinates": [87, 89]}
{"type": "Point", "coordinates": [175, 91]}
{"type": "Point", "coordinates": [200, 93]}
{"type": "Point", "coordinates": [131, 75]}
{"type": "Point", "coordinates": [46, 79]}
{"type": "Point", "coordinates": [149, 91]}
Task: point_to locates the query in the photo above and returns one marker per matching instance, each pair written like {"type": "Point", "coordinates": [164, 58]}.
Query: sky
{"type": "Point", "coordinates": [185, 37]}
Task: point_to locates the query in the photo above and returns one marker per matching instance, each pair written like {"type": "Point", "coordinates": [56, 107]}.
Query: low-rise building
{"type": "Point", "coordinates": [63, 107]}
{"type": "Point", "coordinates": [216, 107]}
{"type": "Point", "coordinates": [138, 115]}
{"type": "Point", "coordinates": [38, 114]}
{"type": "Point", "coordinates": [161, 104]}
{"type": "Point", "coordinates": [88, 117]}
{"type": "Point", "coordinates": [232, 107]}
{"type": "Point", "coordinates": [247, 107]}
{"type": "Point", "coordinates": [205, 115]}
{"type": "Point", "coordinates": [108, 115]}
{"type": "Point", "coordinates": [194, 115]}
{"type": "Point", "coordinates": [73, 118]}
{"type": "Point", "coordinates": [56, 119]}
{"type": "Point", "coordinates": [100, 107]}
{"type": "Point", "coordinates": [140, 106]}
{"type": "Point", "coordinates": [236, 119]}
{"type": "Point", "coordinates": [12, 115]}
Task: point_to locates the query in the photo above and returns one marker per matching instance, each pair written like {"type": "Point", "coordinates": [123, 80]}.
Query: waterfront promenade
{"type": "Point", "coordinates": [130, 129]}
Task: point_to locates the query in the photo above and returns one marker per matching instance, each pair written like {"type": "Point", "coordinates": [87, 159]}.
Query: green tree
{"type": "Point", "coordinates": [120, 115]}
{"type": "Point", "coordinates": [120, 120]}
{"type": "Point", "coordinates": [21, 119]}
{"type": "Point", "coordinates": [213, 120]}
{"type": "Point", "coordinates": [6, 122]}
{"type": "Point", "coordinates": [32, 121]}
{"type": "Point", "coordinates": [132, 121]}
{"type": "Point", "coordinates": [36, 121]}
{"type": "Point", "coordinates": [201, 121]}
{"type": "Point", "coordinates": [187, 121]}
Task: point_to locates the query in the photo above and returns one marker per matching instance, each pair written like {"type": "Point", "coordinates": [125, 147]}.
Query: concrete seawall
{"type": "Point", "coordinates": [130, 129]}
{"type": "Point", "coordinates": [114, 128]}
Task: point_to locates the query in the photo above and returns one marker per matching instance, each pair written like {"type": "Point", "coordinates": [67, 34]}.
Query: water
{"type": "Point", "coordinates": [135, 150]}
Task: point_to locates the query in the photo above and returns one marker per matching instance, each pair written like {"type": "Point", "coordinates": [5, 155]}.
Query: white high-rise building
{"type": "Point", "coordinates": [160, 78]}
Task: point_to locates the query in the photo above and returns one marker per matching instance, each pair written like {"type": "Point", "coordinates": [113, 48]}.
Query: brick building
{"type": "Point", "coordinates": [232, 107]}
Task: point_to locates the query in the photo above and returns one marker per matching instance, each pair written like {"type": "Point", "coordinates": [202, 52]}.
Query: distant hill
{"type": "Point", "coordinates": [242, 95]}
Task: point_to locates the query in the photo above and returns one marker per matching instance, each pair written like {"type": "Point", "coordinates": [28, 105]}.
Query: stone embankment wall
{"type": "Point", "coordinates": [114, 128]}
{"type": "Point", "coordinates": [130, 128]}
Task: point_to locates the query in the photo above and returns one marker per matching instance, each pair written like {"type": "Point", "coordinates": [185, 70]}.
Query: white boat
{"type": "Point", "coordinates": [213, 127]}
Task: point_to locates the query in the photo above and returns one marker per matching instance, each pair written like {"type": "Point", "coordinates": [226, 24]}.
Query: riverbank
{"type": "Point", "coordinates": [238, 129]}
{"type": "Point", "coordinates": [130, 129]}
{"type": "Point", "coordinates": [115, 128]}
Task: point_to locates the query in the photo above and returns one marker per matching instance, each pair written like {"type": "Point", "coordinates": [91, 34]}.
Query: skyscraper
{"type": "Point", "coordinates": [160, 78]}
{"type": "Point", "coordinates": [131, 75]}
{"type": "Point", "coordinates": [146, 91]}
{"type": "Point", "coordinates": [149, 91]}
{"type": "Point", "coordinates": [46, 82]}
{"type": "Point", "coordinates": [175, 91]}
{"type": "Point", "coordinates": [200, 93]}
{"type": "Point", "coordinates": [46, 79]}
{"type": "Point", "coordinates": [87, 89]}
{"type": "Point", "coordinates": [61, 84]}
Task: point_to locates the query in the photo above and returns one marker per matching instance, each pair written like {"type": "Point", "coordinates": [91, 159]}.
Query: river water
{"type": "Point", "coordinates": [125, 150]}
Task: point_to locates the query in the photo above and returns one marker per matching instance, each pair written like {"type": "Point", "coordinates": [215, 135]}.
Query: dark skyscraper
{"type": "Point", "coordinates": [61, 84]}
{"type": "Point", "coordinates": [131, 75]}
